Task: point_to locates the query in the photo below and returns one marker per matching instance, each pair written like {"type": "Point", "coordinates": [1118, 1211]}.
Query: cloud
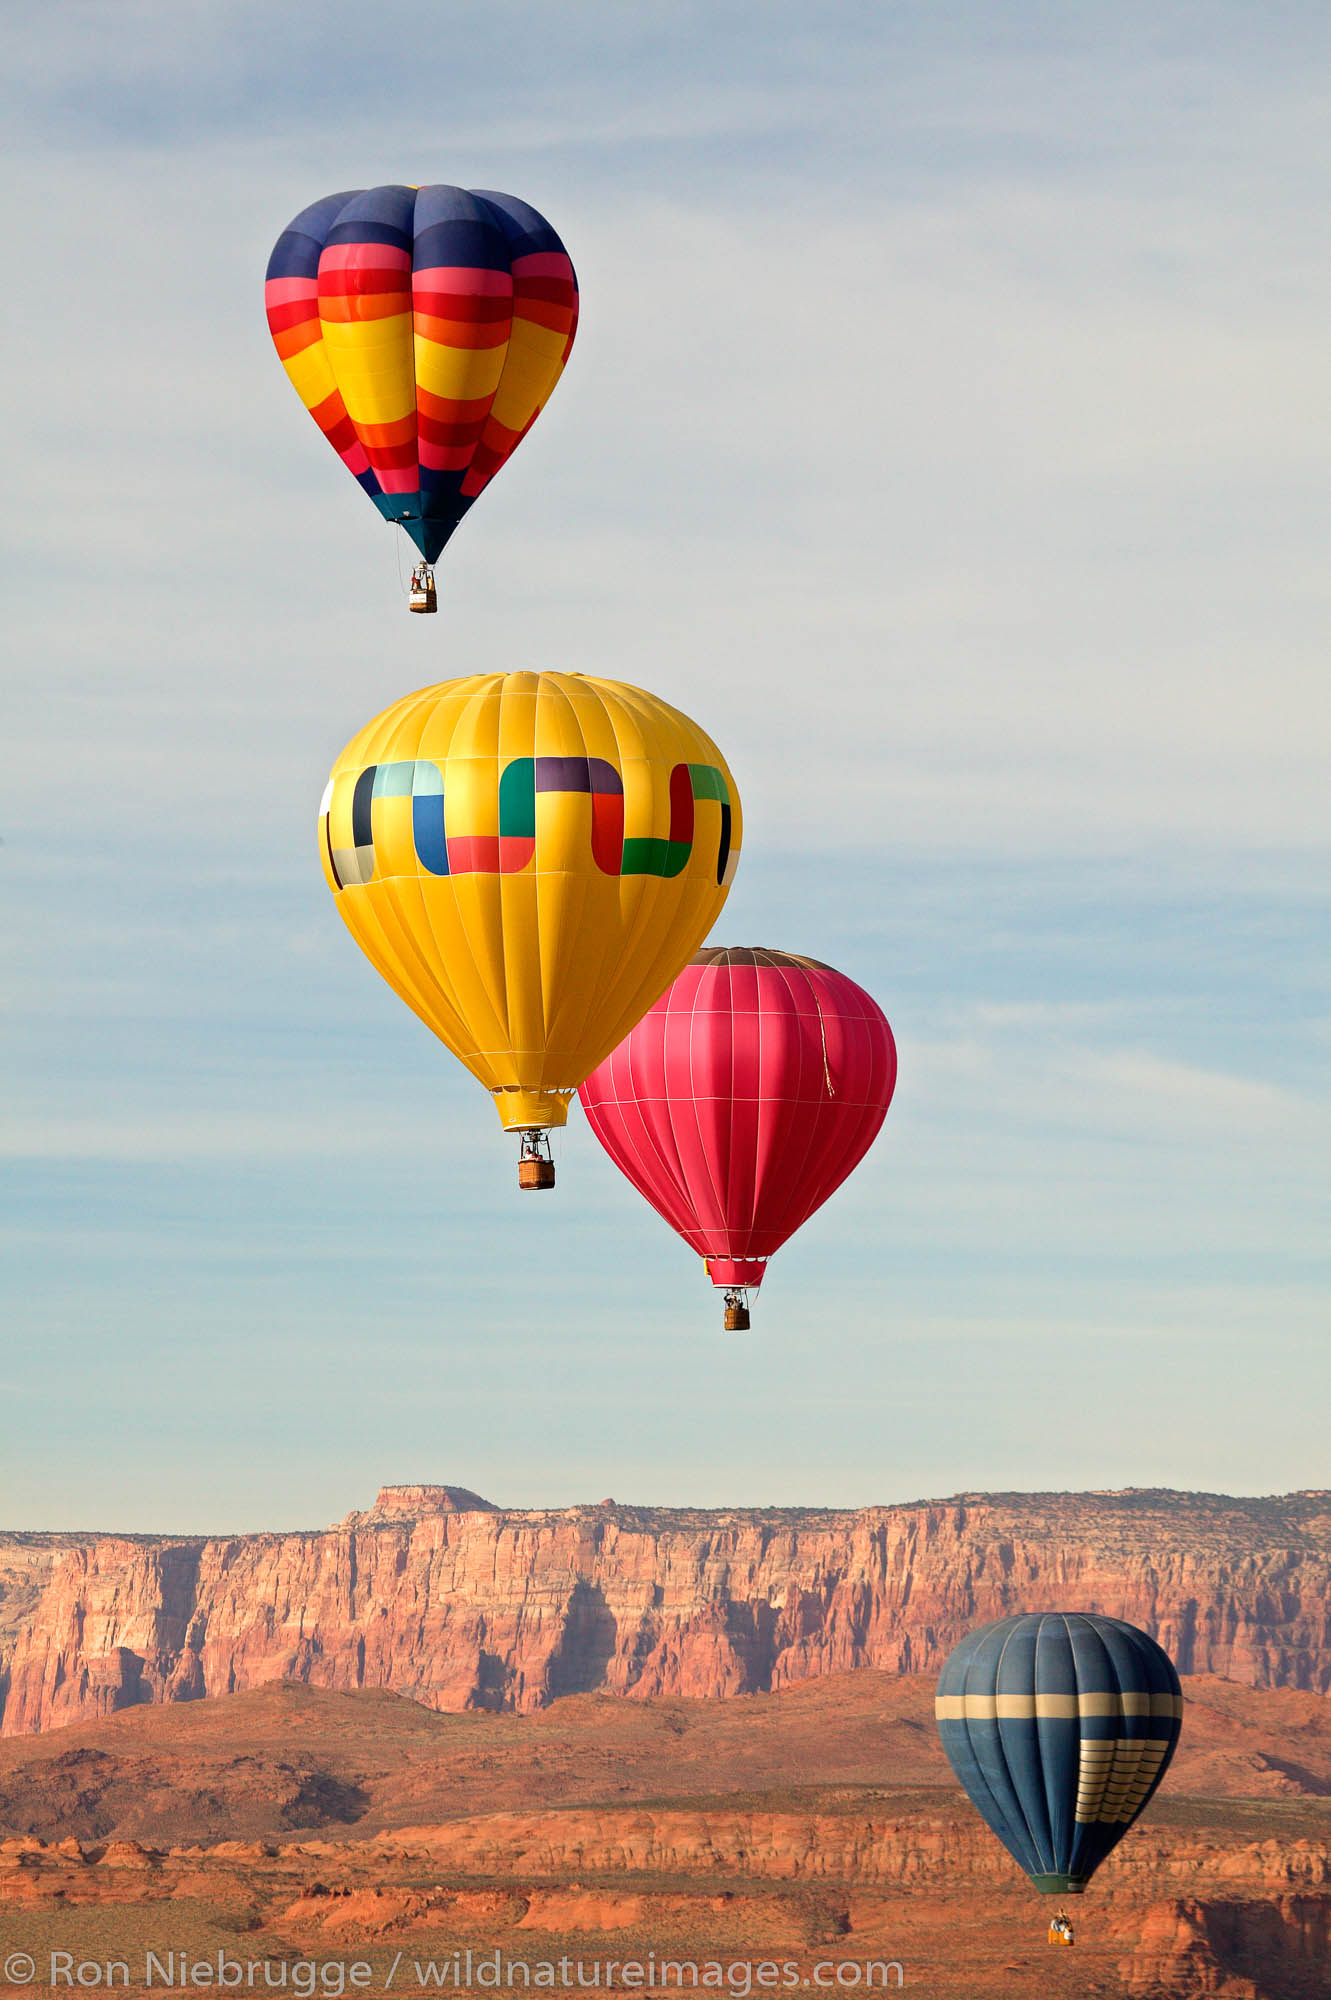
{"type": "Point", "coordinates": [1115, 1090]}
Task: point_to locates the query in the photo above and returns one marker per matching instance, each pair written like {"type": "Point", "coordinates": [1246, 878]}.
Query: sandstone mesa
{"type": "Point", "coordinates": [436, 1594]}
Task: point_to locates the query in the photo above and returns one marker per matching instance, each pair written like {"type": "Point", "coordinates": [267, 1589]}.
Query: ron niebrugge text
{"type": "Point", "coordinates": [463, 1971]}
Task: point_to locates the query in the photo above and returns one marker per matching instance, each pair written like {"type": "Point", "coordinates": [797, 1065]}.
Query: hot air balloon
{"type": "Point", "coordinates": [529, 859]}
{"type": "Point", "coordinates": [423, 329]}
{"type": "Point", "coordinates": [742, 1100]}
{"type": "Point", "coordinates": [1060, 1725]}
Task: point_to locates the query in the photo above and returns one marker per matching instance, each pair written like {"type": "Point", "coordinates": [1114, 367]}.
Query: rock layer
{"type": "Point", "coordinates": [1190, 1914]}
{"type": "Point", "coordinates": [436, 1594]}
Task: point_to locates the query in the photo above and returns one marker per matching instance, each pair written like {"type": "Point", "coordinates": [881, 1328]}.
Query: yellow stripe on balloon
{"type": "Point", "coordinates": [372, 363]}
{"type": "Point", "coordinates": [458, 374]}
{"type": "Point", "coordinates": [311, 375]}
{"type": "Point", "coordinates": [535, 361]}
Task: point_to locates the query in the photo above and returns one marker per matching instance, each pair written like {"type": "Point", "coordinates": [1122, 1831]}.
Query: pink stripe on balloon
{"type": "Point", "coordinates": [444, 457]}
{"type": "Point", "coordinates": [355, 460]}
{"type": "Point", "coordinates": [364, 257]}
{"type": "Point", "coordinates": [398, 479]}
{"type": "Point", "coordinates": [462, 278]}
{"type": "Point", "coordinates": [283, 291]}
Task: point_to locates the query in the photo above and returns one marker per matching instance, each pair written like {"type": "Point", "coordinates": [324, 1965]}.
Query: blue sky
{"type": "Point", "coordinates": [948, 431]}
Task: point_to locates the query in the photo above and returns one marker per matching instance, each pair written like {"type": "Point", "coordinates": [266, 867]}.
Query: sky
{"type": "Point", "coordinates": [947, 431]}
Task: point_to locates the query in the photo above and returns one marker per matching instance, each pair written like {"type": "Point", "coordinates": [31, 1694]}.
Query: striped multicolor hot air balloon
{"type": "Point", "coordinates": [1060, 1725]}
{"type": "Point", "coordinates": [423, 329]}
{"type": "Point", "coordinates": [742, 1100]}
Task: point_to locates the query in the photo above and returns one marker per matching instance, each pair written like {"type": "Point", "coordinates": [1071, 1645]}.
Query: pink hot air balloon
{"type": "Point", "coordinates": [756, 1083]}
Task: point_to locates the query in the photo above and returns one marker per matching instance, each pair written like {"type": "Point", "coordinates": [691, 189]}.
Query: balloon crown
{"type": "Point", "coordinates": [751, 954]}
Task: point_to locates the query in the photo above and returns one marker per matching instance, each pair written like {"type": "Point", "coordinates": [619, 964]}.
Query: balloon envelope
{"type": "Point", "coordinates": [528, 859]}
{"type": "Point", "coordinates": [1060, 1725]}
{"type": "Point", "coordinates": [743, 1099]}
{"type": "Point", "coordinates": [423, 329]}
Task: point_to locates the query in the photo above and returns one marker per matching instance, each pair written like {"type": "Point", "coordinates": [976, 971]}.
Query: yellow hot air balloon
{"type": "Point", "coordinates": [529, 860]}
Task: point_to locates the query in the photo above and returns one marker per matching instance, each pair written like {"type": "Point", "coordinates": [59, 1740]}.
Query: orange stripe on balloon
{"type": "Point", "coordinates": [388, 305]}
{"type": "Point", "coordinates": [401, 431]}
{"type": "Point", "coordinates": [297, 340]}
{"type": "Point", "coordinates": [332, 410]}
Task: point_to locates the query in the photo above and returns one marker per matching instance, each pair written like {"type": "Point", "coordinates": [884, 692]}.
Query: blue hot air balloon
{"type": "Point", "coordinates": [1060, 1725]}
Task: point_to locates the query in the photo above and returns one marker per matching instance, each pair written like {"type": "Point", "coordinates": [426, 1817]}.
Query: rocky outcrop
{"type": "Point", "coordinates": [407, 1502]}
{"type": "Point", "coordinates": [1237, 1948]}
{"type": "Point", "coordinates": [1177, 1914]}
{"type": "Point", "coordinates": [440, 1596]}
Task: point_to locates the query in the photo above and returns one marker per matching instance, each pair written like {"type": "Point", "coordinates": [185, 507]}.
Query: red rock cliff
{"type": "Point", "coordinates": [440, 1596]}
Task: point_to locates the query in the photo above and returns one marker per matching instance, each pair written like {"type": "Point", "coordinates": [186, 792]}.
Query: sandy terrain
{"type": "Point", "coordinates": [817, 1826]}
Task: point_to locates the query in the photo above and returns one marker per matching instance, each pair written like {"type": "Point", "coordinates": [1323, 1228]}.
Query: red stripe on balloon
{"type": "Point", "coordinates": [608, 831]}
{"type": "Point", "coordinates": [681, 804]}
{"type": "Point", "coordinates": [352, 282]}
{"type": "Point", "coordinates": [487, 311]}
{"type": "Point", "coordinates": [515, 851]}
{"type": "Point", "coordinates": [296, 312]}
{"type": "Point", "coordinates": [447, 410]}
{"type": "Point", "coordinates": [543, 264]}
{"type": "Point", "coordinates": [473, 853]}
{"type": "Point", "coordinates": [557, 318]}
{"type": "Point", "coordinates": [448, 434]}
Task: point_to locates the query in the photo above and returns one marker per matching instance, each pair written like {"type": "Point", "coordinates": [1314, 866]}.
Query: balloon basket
{"type": "Point", "coordinates": [737, 1312]}
{"type": "Point", "coordinates": [536, 1168]}
{"type": "Point", "coordinates": [422, 596]}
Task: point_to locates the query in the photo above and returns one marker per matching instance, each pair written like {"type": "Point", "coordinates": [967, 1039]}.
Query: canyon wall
{"type": "Point", "coordinates": [438, 1595]}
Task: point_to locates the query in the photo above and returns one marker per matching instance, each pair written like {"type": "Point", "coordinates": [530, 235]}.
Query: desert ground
{"type": "Point", "coordinates": [817, 1826]}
